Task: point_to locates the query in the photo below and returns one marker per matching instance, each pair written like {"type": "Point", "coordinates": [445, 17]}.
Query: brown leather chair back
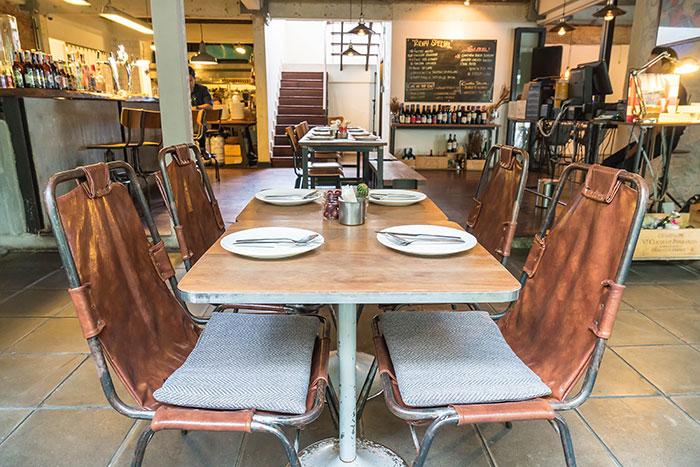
{"type": "Point", "coordinates": [494, 214]}
{"type": "Point", "coordinates": [574, 277]}
{"type": "Point", "coordinates": [213, 116]}
{"type": "Point", "coordinates": [132, 121]}
{"type": "Point", "coordinates": [123, 298]}
{"type": "Point", "coordinates": [194, 210]}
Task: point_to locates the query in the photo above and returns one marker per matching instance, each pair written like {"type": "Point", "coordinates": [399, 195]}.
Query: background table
{"type": "Point", "coordinates": [348, 144]}
{"type": "Point", "coordinates": [351, 268]}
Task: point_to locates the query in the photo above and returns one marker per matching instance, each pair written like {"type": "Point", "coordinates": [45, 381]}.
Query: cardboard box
{"type": "Point", "coordinates": [669, 244]}
{"type": "Point", "coordinates": [431, 162]}
{"type": "Point", "coordinates": [232, 154]}
{"type": "Point", "coordinates": [516, 109]}
{"type": "Point", "coordinates": [475, 164]}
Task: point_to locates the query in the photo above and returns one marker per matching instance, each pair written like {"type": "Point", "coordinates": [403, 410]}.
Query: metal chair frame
{"type": "Point", "coordinates": [442, 416]}
{"type": "Point", "coordinates": [489, 167]}
{"type": "Point", "coordinates": [264, 422]}
{"type": "Point", "coordinates": [296, 162]}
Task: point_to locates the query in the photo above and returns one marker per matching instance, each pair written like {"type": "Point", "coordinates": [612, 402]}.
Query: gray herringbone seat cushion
{"type": "Point", "coordinates": [445, 358]}
{"type": "Point", "coordinates": [246, 361]}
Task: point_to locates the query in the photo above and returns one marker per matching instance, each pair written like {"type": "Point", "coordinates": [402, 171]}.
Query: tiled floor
{"type": "Point", "coordinates": [645, 409]}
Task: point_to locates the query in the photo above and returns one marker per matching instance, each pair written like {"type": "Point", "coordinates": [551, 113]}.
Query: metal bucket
{"type": "Point", "coordinates": [352, 213]}
{"type": "Point", "coordinates": [545, 186]}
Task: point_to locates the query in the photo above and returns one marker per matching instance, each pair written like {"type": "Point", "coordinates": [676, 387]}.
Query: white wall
{"type": "Point", "coordinates": [304, 43]}
{"type": "Point", "coordinates": [274, 51]}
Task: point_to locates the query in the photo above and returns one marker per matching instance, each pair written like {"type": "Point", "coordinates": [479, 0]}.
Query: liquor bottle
{"type": "Point", "coordinates": [449, 143]}
{"type": "Point", "coordinates": [39, 78]}
{"type": "Point", "coordinates": [442, 114]}
{"type": "Point", "coordinates": [478, 116]}
{"type": "Point", "coordinates": [463, 119]}
{"type": "Point", "coordinates": [471, 114]}
{"type": "Point", "coordinates": [57, 78]}
{"type": "Point", "coordinates": [27, 71]}
{"type": "Point", "coordinates": [49, 81]}
{"type": "Point", "coordinates": [17, 70]}
{"type": "Point", "coordinates": [459, 114]}
{"type": "Point", "coordinates": [453, 116]}
{"type": "Point", "coordinates": [413, 113]}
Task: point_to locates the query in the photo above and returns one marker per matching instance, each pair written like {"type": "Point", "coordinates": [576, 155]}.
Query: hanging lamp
{"type": "Point", "coordinates": [350, 51]}
{"type": "Point", "coordinates": [202, 57]}
{"type": "Point", "coordinates": [609, 12]}
{"type": "Point", "coordinates": [563, 27]}
{"type": "Point", "coordinates": [361, 28]}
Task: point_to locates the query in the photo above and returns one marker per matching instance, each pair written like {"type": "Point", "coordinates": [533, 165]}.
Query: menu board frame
{"type": "Point", "coordinates": [450, 70]}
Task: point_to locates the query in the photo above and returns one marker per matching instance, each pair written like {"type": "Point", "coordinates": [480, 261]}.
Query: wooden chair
{"type": "Point", "coordinates": [121, 285]}
{"type": "Point", "coordinates": [494, 214]}
{"type": "Point", "coordinates": [145, 162]}
{"type": "Point", "coordinates": [553, 335]}
{"type": "Point", "coordinates": [211, 128]}
{"type": "Point", "coordinates": [324, 172]}
{"type": "Point", "coordinates": [300, 131]}
{"type": "Point", "coordinates": [332, 119]}
{"type": "Point", "coordinates": [130, 120]}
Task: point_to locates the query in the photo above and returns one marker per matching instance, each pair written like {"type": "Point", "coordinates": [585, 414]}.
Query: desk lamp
{"type": "Point", "coordinates": [683, 66]}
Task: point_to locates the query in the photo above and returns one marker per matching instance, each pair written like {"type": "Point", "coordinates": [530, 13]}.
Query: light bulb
{"type": "Point", "coordinates": [609, 16]}
{"type": "Point", "coordinates": [561, 31]}
{"type": "Point", "coordinates": [467, 3]}
{"type": "Point", "coordinates": [153, 47]}
{"type": "Point", "coordinates": [567, 73]}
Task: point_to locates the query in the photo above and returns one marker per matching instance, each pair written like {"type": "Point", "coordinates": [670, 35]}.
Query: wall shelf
{"type": "Point", "coordinates": [437, 126]}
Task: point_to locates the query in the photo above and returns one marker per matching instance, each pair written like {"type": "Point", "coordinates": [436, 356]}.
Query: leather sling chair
{"type": "Point", "coordinates": [151, 342]}
{"type": "Point", "coordinates": [330, 172]}
{"type": "Point", "coordinates": [494, 214]}
{"type": "Point", "coordinates": [195, 213]}
{"type": "Point", "coordinates": [462, 368]}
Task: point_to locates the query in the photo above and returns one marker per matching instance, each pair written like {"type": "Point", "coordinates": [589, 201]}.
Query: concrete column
{"type": "Point", "coordinates": [261, 91]}
{"type": "Point", "coordinates": [644, 30]}
{"type": "Point", "coordinates": [173, 81]}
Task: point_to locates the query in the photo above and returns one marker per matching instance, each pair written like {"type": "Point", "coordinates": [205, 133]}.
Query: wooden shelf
{"type": "Point", "coordinates": [434, 126]}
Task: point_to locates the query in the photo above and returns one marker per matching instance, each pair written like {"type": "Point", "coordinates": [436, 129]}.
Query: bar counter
{"type": "Point", "coordinates": [47, 129]}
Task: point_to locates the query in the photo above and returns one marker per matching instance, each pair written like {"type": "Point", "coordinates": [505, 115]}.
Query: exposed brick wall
{"type": "Point", "coordinates": [24, 23]}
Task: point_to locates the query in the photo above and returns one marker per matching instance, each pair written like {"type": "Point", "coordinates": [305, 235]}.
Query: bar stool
{"type": "Point", "coordinates": [130, 120]}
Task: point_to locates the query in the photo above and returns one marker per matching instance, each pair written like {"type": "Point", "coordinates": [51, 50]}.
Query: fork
{"type": "Point", "coordinates": [301, 241]}
{"type": "Point", "coordinates": [404, 242]}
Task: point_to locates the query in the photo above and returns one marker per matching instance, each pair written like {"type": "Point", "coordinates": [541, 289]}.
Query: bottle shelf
{"type": "Point", "coordinates": [435, 126]}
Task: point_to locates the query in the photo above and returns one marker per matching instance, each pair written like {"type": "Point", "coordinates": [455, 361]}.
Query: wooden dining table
{"type": "Point", "coordinates": [349, 269]}
{"type": "Point", "coordinates": [350, 144]}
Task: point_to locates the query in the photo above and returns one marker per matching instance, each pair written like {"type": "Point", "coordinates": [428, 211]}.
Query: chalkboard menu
{"type": "Point", "coordinates": [449, 70]}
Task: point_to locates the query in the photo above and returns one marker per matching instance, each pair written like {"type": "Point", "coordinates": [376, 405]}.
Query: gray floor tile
{"type": "Point", "coordinates": [674, 369]}
{"type": "Point", "coordinates": [83, 388]}
{"type": "Point", "coordinates": [18, 279]}
{"type": "Point", "coordinates": [652, 296]}
{"type": "Point", "coordinates": [9, 419]}
{"type": "Point", "coordinates": [55, 280]}
{"type": "Point", "coordinates": [691, 404]}
{"type": "Point", "coordinates": [26, 380]}
{"type": "Point", "coordinates": [81, 437]}
{"type": "Point", "coordinates": [197, 448]}
{"type": "Point", "coordinates": [31, 260]}
{"type": "Point", "coordinates": [688, 290]}
{"type": "Point", "coordinates": [58, 335]}
{"type": "Point", "coordinates": [644, 430]}
{"type": "Point", "coordinates": [661, 272]}
{"type": "Point", "coordinates": [616, 378]}
{"type": "Point", "coordinates": [536, 443]}
{"type": "Point", "coordinates": [35, 303]}
{"type": "Point", "coordinates": [14, 329]}
{"type": "Point", "coordinates": [633, 328]}
{"type": "Point", "coordinates": [684, 323]}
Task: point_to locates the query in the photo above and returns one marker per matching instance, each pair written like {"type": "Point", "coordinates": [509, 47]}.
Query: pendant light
{"type": "Point", "coordinates": [240, 49]}
{"type": "Point", "coordinates": [350, 51]}
{"type": "Point", "coordinates": [361, 29]}
{"type": "Point", "coordinates": [563, 27]}
{"type": "Point", "coordinates": [467, 3]}
{"type": "Point", "coordinates": [609, 12]}
{"type": "Point", "coordinates": [202, 57]}
{"type": "Point", "coordinates": [118, 16]}
{"type": "Point", "coordinates": [78, 2]}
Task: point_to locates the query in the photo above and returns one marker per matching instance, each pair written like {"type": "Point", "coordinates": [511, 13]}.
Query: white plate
{"type": "Point", "coordinates": [296, 196]}
{"type": "Point", "coordinates": [279, 250]}
{"type": "Point", "coordinates": [429, 248]}
{"type": "Point", "coordinates": [365, 137]}
{"type": "Point", "coordinates": [321, 137]}
{"type": "Point", "coordinates": [402, 197]}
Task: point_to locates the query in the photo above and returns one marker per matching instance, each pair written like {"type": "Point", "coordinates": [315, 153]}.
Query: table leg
{"type": "Point", "coordinates": [304, 167]}
{"type": "Point", "coordinates": [638, 155]}
{"type": "Point", "coordinates": [347, 329]}
{"type": "Point", "coordinates": [380, 167]}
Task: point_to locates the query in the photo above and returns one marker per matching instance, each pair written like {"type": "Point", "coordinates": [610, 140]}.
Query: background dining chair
{"type": "Point", "coordinates": [319, 172]}
{"type": "Point", "coordinates": [130, 121]}
{"type": "Point", "coordinates": [300, 131]}
{"type": "Point", "coordinates": [524, 367]}
{"type": "Point", "coordinates": [211, 128]}
{"type": "Point", "coordinates": [145, 154]}
{"type": "Point", "coordinates": [494, 213]}
{"type": "Point", "coordinates": [150, 340]}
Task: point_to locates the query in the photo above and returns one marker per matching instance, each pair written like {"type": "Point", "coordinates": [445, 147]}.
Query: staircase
{"type": "Point", "coordinates": [301, 98]}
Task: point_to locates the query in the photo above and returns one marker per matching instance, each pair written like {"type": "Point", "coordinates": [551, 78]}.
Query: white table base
{"type": "Point", "coordinates": [363, 361]}
{"type": "Point", "coordinates": [325, 453]}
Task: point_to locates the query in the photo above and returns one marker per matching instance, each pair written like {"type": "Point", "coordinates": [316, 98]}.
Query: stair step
{"type": "Point", "coordinates": [302, 100]}
{"type": "Point", "coordinates": [301, 83]}
{"type": "Point", "coordinates": [302, 75]}
{"type": "Point", "coordinates": [281, 151]}
{"type": "Point", "coordinates": [296, 119]}
{"type": "Point", "coordinates": [301, 92]}
{"type": "Point", "coordinates": [281, 140]}
{"type": "Point", "coordinates": [300, 110]}
{"type": "Point", "coordinates": [283, 161]}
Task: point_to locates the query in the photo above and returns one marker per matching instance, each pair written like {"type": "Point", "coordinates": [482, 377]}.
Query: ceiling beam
{"type": "Point", "coordinates": [252, 4]}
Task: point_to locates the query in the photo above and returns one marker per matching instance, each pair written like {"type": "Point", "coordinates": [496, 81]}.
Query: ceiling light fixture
{"type": "Point", "coordinates": [78, 2]}
{"type": "Point", "coordinates": [350, 51]}
{"type": "Point", "coordinates": [118, 16]}
{"type": "Point", "coordinates": [202, 57]}
{"type": "Point", "coordinates": [563, 27]}
{"type": "Point", "coordinates": [361, 28]}
{"type": "Point", "coordinates": [609, 12]}
{"type": "Point", "coordinates": [239, 48]}
{"type": "Point", "coordinates": [153, 47]}
{"type": "Point", "coordinates": [467, 3]}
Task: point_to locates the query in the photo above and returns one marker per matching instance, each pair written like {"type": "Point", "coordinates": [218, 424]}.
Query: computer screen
{"type": "Point", "coordinates": [600, 76]}
{"type": "Point", "coordinates": [546, 62]}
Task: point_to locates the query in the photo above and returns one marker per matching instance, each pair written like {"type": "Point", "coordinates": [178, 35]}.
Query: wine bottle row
{"type": "Point", "coordinates": [442, 114]}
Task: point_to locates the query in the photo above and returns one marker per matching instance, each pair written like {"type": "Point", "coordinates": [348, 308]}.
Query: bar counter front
{"type": "Point", "coordinates": [47, 131]}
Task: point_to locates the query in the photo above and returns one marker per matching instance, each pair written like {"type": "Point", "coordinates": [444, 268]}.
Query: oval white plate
{"type": "Point", "coordinates": [366, 137]}
{"type": "Point", "coordinates": [276, 251]}
{"type": "Point", "coordinates": [411, 197]}
{"type": "Point", "coordinates": [296, 196]}
{"type": "Point", "coordinates": [429, 248]}
{"type": "Point", "coordinates": [321, 137]}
